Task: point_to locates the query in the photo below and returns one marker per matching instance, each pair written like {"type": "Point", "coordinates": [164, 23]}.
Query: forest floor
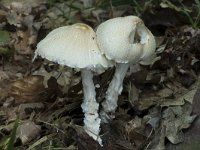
{"type": "Point", "coordinates": [40, 101]}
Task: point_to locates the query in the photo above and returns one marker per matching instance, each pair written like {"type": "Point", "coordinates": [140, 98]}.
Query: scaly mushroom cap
{"type": "Point", "coordinates": [125, 39]}
{"type": "Point", "coordinates": [74, 46]}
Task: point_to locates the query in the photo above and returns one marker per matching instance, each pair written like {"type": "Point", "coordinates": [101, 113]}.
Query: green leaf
{"type": "Point", "coordinates": [11, 141]}
{"type": "Point", "coordinates": [4, 37]}
{"type": "Point", "coordinates": [4, 142]}
{"type": "Point", "coordinates": [6, 51]}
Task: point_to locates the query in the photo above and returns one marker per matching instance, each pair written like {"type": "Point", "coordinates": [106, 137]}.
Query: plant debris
{"type": "Point", "coordinates": [40, 101]}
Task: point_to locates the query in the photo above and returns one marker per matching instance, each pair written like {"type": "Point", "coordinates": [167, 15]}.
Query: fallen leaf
{"type": "Point", "coordinates": [135, 131]}
{"type": "Point", "coordinates": [153, 118]}
{"type": "Point", "coordinates": [175, 119]}
{"type": "Point", "coordinates": [133, 94]}
{"type": "Point", "coordinates": [21, 44]}
{"type": "Point", "coordinates": [3, 14]}
{"type": "Point", "coordinates": [9, 102]}
{"type": "Point", "coordinates": [24, 110]}
{"type": "Point", "coordinates": [161, 141]}
{"type": "Point", "coordinates": [3, 75]}
{"type": "Point", "coordinates": [63, 77]}
{"type": "Point", "coordinates": [28, 131]}
{"type": "Point", "coordinates": [4, 89]}
{"type": "Point", "coordinates": [29, 89]}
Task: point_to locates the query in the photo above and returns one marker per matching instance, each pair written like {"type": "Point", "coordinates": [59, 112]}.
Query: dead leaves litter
{"type": "Point", "coordinates": [154, 109]}
{"type": "Point", "coordinates": [27, 131]}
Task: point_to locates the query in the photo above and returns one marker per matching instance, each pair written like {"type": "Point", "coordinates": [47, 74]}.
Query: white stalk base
{"type": "Point", "coordinates": [114, 90]}
{"type": "Point", "coordinates": [90, 106]}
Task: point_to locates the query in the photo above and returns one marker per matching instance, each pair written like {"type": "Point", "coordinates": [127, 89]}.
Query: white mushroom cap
{"type": "Point", "coordinates": [125, 39]}
{"type": "Point", "coordinates": [74, 46]}
{"type": "Point", "coordinates": [149, 43]}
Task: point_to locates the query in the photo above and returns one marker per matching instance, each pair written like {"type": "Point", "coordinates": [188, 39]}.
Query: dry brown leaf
{"type": "Point", "coordinates": [24, 110]}
{"type": "Point", "coordinates": [9, 102]}
{"type": "Point", "coordinates": [10, 114]}
{"type": "Point", "coordinates": [4, 89]}
{"type": "Point", "coordinates": [159, 143]}
{"type": "Point", "coordinates": [153, 118]}
{"type": "Point", "coordinates": [29, 89]}
{"type": "Point", "coordinates": [174, 95]}
{"type": "Point", "coordinates": [14, 19]}
{"type": "Point", "coordinates": [135, 131]}
{"type": "Point", "coordinates": [3, 75]}
{"type": "Point", "coordinates": [21, 8]}
{"type": "Point", "coordinates": [28, 131]}
{"type": "Point", "coordinates": [22, 18]}
{"type": "Point", "coordinates": [133, 94]}
{"type": "Point", "coordinates": [63, 77]}
{"type": "Point", "coordinates": [175, 119]}
{"type": "Point", "coordinates": [21, 43]}
{"type": "Point", "coordinates": [3, 15]}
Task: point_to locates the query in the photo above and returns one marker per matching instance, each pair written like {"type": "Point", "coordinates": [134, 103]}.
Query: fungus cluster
{"type": "Point", "coordinates": [122, 40]}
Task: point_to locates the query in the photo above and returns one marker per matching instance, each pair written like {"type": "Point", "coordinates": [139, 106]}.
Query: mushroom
{"type": "Point", "coordinates": [76, 46]}
{"type": "Point", "coordinates": [126, 41]}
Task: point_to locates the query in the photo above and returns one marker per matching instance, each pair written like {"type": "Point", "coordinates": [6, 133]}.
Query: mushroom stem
{"type": "Point", "coordinates": [90, 106]}
{"type": "Point", "coordinates": [114, 90]}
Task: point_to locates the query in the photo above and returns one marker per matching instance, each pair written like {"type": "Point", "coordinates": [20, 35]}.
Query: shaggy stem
{"type": "Point", "coordinates": [114, 90]}
{"type": "Point", "coordinates": [90, 106]}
